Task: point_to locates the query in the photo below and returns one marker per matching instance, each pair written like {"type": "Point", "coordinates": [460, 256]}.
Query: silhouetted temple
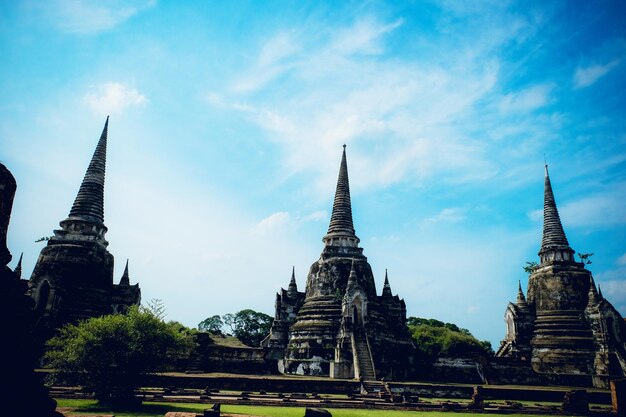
{"type": "Point", "coordinates": [22, 389]}
{"type": "Point", "coordinates": [340, 326]}
{"type": "Point", "coordinates": [73, 277]}
{"type": "Point", "coordinates": [564, 329]}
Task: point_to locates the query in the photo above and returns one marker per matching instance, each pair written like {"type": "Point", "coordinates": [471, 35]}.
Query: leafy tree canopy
{"type": "Point", "coordinates": [211, 324]}
{"type": "Point", "coordinates": [435, 338]}
{"type": "Point", "coordinates": [111, 354]}
{"type": "Point", "coordinates": [249, 326]}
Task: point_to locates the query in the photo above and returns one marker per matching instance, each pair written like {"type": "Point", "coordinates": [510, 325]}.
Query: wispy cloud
{"type": "Point", "coordinates": [273, 223]}
{"type": "Point", "coordinates": [602, 209]}
{"type": "Point", "coordinates": [283, 221]}
{"type": "Point", "coordinates": [598, 209]}
{"type": "Point", "coordinates": [406, 112]}
{"type": "Point", "coordinates": [528, 99]}
{"type": "Point", "coordinates": [586, 76]}
{"type": "Point", "coordinates": [112, 97]}
{"type": "Point", "coordinates": [90, 16]}
{"type": "Point", "coordinates": [447, 215]}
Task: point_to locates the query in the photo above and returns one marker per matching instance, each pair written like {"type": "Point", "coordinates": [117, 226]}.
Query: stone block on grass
{"type": "Point", "coordinates": [316, 412]}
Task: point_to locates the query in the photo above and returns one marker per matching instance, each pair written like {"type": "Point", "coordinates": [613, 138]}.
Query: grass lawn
{"type": "Point", "coordinates": [150, 409]}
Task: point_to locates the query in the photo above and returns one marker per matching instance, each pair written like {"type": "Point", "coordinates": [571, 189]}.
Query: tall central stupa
{"type": "Point", "coordinates": [340, 327]}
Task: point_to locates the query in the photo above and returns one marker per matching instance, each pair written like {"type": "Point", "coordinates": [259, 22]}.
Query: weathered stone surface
{"type": "Point", "coordinates": [618, 396]}
{"type": "Point", "coordinates": [564, 327]}
{"type": "Point", "coordinates": [575, 402]}
{"type": "Point", "coordinates": [339, 326]}
{"type": "Point", "coordinates": [73, 277]}
{"type": "Point", "coordinates": [316, 412]}
{"type": "Point", "coordinates": [477, 401]}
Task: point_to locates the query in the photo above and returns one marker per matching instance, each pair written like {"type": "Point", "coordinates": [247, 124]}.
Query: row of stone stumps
{"type": "Point", "coordinates": [214, 411]}
{"type": "Point", "coordinates": [575, 401]}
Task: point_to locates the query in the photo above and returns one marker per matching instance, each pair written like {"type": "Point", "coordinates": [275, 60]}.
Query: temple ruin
{"type": "Point", "coordinates": [73, 277]}
{"type": "Point", "coordinates": [565, 330]}
{"type": "Point", "coordinates": [339, 326]}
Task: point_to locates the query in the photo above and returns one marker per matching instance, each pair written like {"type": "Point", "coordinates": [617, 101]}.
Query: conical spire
{"type": "Point", "coordinates": [125, 278]}
{"type": "Point", "coordinates": [521, 299]}
{"type": "Point", "coordinates": [89, 203]}
{"type": "Point", "coordinates": [18, 268]}
{"type": "Point", "coordinates": [341, 227]}
{"type": "Point", "coordinates": [352, 277]}
{"type": "Point", "coordinates": [593, 294]}
{"type": "Point", "coordinates": [600, 292]}
{"type": "Point", "coordinates": [386, 286]}
{"type": "Point", "coordinates": [293, 287]}
{"type": "Point", "coordinates": [554, 244]}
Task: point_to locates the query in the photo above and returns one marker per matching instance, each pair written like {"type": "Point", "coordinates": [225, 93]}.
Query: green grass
{"type": "Point", "coordinates": [151, 409]}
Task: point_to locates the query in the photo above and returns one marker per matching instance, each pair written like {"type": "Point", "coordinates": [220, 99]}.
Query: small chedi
{"type": "Point", "coordinates": [340, 327]}
{"type": "Point", "coordinates": [73, 277]}
{"type": "Point", "coordinates": [565, 330]}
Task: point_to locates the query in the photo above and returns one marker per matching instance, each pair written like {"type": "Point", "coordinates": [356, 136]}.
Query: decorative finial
{"type": "Point", "coordinates": [344, 146]}
{"type": "Point", "coordinates": [18, 268]}
{"type": "Point", "coordinates": [293, 287]}
{"type": "Point", "coordinates": [593, 294]}
{"type": "Point", "coordinates": [352, 276]}
{"type": "Point", "coordinates": [521, 299]}
{"type": "Point", "coordinates": [125, 277]}
{"type": "Point", "coordinates": [386, 286]}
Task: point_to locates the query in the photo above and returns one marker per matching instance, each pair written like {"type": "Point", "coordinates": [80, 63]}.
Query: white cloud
{"type": "Point", "coordinates": [584, 77]}
{"type": "Point", "coordinates": [603, 209]}
{"type": "Point", "coordinates": [363, 38]}
{"type": "Point", "coordinates": [321, 215]}
{"type": "Point", "coordinates": [447, 215]}
{"type": "Point", "coordinates": [89, 16]}
{"type": "Point", "coordinates": [402, 119]}
{"type": "Point", "coordinates": [526, 100]}
{"type": "Point", "coordinates": [615, 289]}
{"type": "Point", "coordinates": [536, 215]}
{"type": "Point", "coordinates": [274, 223]}
{"type": "Point", "coordinates": [112, 97]}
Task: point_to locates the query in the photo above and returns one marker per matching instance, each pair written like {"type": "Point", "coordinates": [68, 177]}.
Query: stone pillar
{"type": "Point", "coordinates": [576, 401]}
{"type": "Point", "coordinates": [618, 396]}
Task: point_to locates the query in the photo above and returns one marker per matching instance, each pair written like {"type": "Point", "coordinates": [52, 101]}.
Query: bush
{"type": "Point", "coordinates": [111, 354]}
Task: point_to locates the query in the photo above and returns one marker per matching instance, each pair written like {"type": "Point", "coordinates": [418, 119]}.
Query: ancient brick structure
{"type": "Point", "coordinates": [564, 327]}
{"type": "Point", "coordinates": [340, 326]}
{"type": "Point", "coordinates": [73, 277]}
{"type": "Point", "coordinates": [22, 390]}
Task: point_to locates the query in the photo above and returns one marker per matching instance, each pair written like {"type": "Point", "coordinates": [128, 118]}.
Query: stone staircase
{"type": "Point", "coordinates": [363, 355]}
{"type": "Point", "coordinates": [194, 365]}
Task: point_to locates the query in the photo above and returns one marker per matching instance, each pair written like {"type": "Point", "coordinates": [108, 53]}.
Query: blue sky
{"type": "Point", "coordinates": [227, 120]}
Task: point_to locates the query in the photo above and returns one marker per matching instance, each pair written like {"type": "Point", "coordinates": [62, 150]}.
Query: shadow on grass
{"type": "Point", "coordinates": [140, 410]}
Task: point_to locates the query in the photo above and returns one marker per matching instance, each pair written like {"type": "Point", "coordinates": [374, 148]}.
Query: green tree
{"type": "Point", "coordinates": [211, 324]}
{"type": "Point", "coordinates": [111, 354]}
{"type": "Point", "coordinates": [530, 267]}
{"type": "Point", "coordinates": [156, 306]}
{"type": "Point", "coordinates": [249, 326]}
{"type": "Point", "coordinates": [585, 258]}
{"type": "Point", "coordinates": [435, 338]}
